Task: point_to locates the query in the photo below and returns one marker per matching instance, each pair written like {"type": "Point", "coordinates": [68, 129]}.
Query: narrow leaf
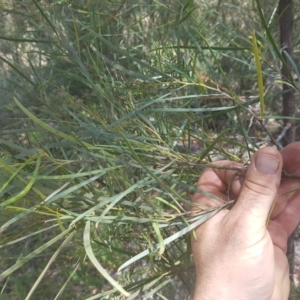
{"type": "Point", "coordinates": [32, 255]}
{"type": "Point", "coordinates": [93, 259]}
{"type": "Point", "coordinates": [52, 259]}
{"type": "Point", "coordinates": [202, 218]}
{"type": "Point", "coordinates": [26, 190]}
{"type": "Point", "coordinates": [259, 75]}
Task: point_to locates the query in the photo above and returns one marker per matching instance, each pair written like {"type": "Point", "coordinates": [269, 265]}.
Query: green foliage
{"type": "Point", "coordinates": [108, 102]}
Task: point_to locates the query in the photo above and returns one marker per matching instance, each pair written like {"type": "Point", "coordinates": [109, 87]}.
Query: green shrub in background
{"type": "Point", "coordinates": [108, 111]}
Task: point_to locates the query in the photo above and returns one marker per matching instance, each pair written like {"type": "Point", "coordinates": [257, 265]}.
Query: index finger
{"type": "Point", "coordinates": [222, 183]}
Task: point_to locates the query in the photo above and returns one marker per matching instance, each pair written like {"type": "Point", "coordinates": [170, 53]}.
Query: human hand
{"type": "Point", "coordinates": [237, 254]}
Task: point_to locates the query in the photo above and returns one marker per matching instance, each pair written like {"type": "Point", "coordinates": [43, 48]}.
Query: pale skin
{"type": "Point", "coordinates": [240, 253]}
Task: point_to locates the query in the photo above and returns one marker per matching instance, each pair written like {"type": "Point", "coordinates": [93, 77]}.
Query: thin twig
{"type": "Point", "coordinates": [260, 121]}
{"type": "Point", "coordinates": [242, 170]}
{"type": "Point", "coordinates": [283, 132]}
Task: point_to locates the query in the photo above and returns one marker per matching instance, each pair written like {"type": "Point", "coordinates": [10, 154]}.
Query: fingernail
{"type": "Point", "coordinates": [266, 164]}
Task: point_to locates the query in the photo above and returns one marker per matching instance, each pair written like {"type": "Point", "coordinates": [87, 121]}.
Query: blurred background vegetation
{"type": "Point", "coordinates": [107, 110]}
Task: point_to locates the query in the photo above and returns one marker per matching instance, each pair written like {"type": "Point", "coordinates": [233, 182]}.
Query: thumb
{"type": "Point", "coordinates": [259, 188]}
